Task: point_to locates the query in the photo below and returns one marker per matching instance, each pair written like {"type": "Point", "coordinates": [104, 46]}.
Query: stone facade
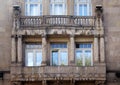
{"type": "Point", "coordinates": [102, 30]}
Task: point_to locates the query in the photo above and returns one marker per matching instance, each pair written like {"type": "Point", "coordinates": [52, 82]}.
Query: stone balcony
{"type": "Point", "coordinates": [54, 20]}
{"type": "Point", "coordinates": [59, 73]}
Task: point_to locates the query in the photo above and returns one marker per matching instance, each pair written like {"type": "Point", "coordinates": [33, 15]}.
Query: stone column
{"type": "Point", "coordinates": [46, 7]}
{"type": "Point", "coordinates": [19, 49]}
{"type": "Point", "coordinates": [102, 49]}
{"type": "Point", "coordinates": [13, 52]}
{"type": "Point", "coordinates": [72, 50]}
{"type": "Point", "coordinates": [70, 7]}
{"type": "Point", "coordinates": [44, 82]}
{"type": "Point", "coordinates": [96, 50]}
{"type": "Point", "coordinates": [44, 50]}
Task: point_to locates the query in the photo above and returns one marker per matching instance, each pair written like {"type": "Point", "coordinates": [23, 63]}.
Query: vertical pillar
{"type": "Point", "coordinates": [70, 7]}
{"type": "Point", "coordinates": [44, 82]}
{"type": "Point", "coordinates": [13, 52]}
{"type": "Point", "coordinates": [46, 7]}
{"type": "Point", "coordinates": [44, 50]}
{"type": "Point", "coordinates": [96, 50]}
{"type": "Point", "coordinates": [19, 48]}
{"type": "Point", "coordinates": [72, 49]}
{"type": "Point", "coordinates": [102, 49]}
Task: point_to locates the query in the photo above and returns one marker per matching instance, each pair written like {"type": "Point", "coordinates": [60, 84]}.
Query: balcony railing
{"type": "Point", "coordinates": [54, 20]}
{"type": "Point", "coordinates": [60, 72]}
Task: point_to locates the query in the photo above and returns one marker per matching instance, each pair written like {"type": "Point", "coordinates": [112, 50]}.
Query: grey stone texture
{"type": "Point", "coordinates": [108, 53]}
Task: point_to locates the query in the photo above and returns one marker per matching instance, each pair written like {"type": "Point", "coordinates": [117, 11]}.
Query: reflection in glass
{"type": "Point", "coordinates": [63, 58]}
{"type": "Point", "coordinates": [34, 10]}
{"type": "Point", "coordinates": [55, 58]}
{"type": "Point", "coordinates": [87, 58]}
{"type": "Point", "coordinates": [38, 58]}
{"type": "Point", "coordinates": [30, 59]}
{"type": "Point", "coordinates": [79, 59]}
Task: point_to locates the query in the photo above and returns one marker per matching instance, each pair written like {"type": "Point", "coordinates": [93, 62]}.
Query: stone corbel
{"type": "Point", "coordinates": [99, 17]}
{"type": "Point", "coordinates": [16, 83]}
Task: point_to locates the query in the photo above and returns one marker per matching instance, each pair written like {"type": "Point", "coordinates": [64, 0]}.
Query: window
{"type": "Point", "coordinates": [84, 54]}
{"type": "Point", "coordinates": [33, 7]}
{"type": "Point", "coordinates": [82, 7]}
{"type": "Point", "coordinates": [59, 55]}
{"type": "Point", "coordinates": [57, 7]}
{"type": "Point", "coordinates": [33, 55]}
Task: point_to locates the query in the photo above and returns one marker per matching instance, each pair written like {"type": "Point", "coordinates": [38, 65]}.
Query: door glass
{"type": "Point", "coordinates": [79, 58]}
{"type": "Point", "coordinates": [38, 58]}
{"type": "Point", "coordinates": [88, 58]}
{"type": "Point", "coordinates": [54, 58]}
{"type": "Point", "coordinates": [34, 10]}
{"type": "Point", "coordinates": [63, 58]}
{"type": "Point", "coordinates": [30, 59]}
{"type": "Point", "coordinates": [58, 9]}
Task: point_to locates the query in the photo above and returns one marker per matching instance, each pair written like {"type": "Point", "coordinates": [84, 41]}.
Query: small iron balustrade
{"type": "Point", "coordinates": [54, 20]}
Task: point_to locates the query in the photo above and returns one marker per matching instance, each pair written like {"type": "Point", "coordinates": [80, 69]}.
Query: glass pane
{"type": "Point", "coordinates": [34, 10]}
{"type": "Point", "coordinates": [38, 58]}
{"type": "Point", "coordinates": [88, 58]}
{"type": "Point", "coordinates": [81, 10]}
{"type": "Point", "coordinates": [33, 0]}
{"type": "Point", "coordinates": [63, 58]}
{"type": "Point", "coordinates": [29, 59]}
{"type": "Point", "coordinates": [40, 9]}
{"type": "Point", "coordinates": [59, 45]}
{"type": "Point", "coordinates": [79, 59]}
{"type": "Point", "coordinates": [85, 10]}
{"type": "Point", "coordinates": [55, 58]}
{"type": "Point", "coordinates": [58, 9]}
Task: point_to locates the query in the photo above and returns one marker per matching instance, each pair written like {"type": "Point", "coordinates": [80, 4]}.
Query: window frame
{"type": "Point", "coordinates": [59, 50]}
{"type": "Point", "coordinates": [83, 54]}
{"type": "Point", "coordinates": [27, 7]}
{"type": "Point", "coordinates": [77, 4]}
{"type": "Point", "coordinates": [34, 51]}
{"type": "Point", "coordinates": [52, 6]}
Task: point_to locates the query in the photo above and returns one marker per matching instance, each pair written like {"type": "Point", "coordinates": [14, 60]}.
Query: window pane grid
{"type": "Point", "coordinates": [33, 55]}
{"type": "Point", "coordinates": [84, 54]}
{"type": "Point", "coordinates": [59, 54]}
{"type": "Point", "coordinates": [33, 7]}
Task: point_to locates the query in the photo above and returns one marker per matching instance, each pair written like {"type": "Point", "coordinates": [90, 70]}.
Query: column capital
{"type": "Point", "coordinates": [96, 36]}
{"type": "Point", "coordinates": [72, 35]}
{"type": "Point", "coordinates": [13, 36]}
{"type": "Point", "coordinates": [19, 36]}
{"type": "Point", "coordinates": [43, 35]}
{"type": "Point", "coordinates": [102, 36]}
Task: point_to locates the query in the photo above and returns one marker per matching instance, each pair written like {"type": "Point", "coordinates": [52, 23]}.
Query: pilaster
{"type": "Point", "coordinates": [13, 51]}
{"type": "Point", "coordinates": [96, 49]}
{"type": "Point", "coordinates": [102, 49]}
{"type": "Point", "coordinates": [19, 49]}
{"type": "Point", "coordinates": [44, 50]}
{"type": "Point", "coordinates": [72, 49]}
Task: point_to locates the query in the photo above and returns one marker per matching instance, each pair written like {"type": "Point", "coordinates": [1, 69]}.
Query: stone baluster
{"type": "Point", "coordinates": [96, 49]}
{"type": "Point", "coordinates": [19, 49]}
{"type": "Point", "coordinates": [13, 52]}
{"type": "Point", "coordinates": [44, 50]}
{"type": "Point", "coordinates": [72, 49]}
